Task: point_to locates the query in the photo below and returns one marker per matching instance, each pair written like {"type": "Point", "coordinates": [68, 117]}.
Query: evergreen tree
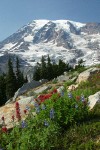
{"type": "Point", "coordinates": [80, 63]}
{"type": "Point", "coordinates": [43, 73]}
{"type": "Point", "coordinates": [37, 73]}
{"type": "Point", "coordinates": [55, 70]}
{"type": "Point", "coordinates": [10, 81]}
{"type": "Point", "coordinates": [61, 67]}
{"type": "Point", "coordinates": [50, 71]}
{"type": "Point", "coordinates": [19, 75]}
{"type": "Point", "coordinates": [3, 98]}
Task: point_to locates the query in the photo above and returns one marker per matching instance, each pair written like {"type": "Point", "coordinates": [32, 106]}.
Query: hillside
{"type": "Point", "coordinates": [55, 115]}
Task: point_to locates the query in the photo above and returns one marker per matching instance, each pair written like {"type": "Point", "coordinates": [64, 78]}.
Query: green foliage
{"type": "Point", "coordinates": [80, 67]}
{"type": "Point", "coordinates": [10, 81]}
{"type": "Point", "coordinates": [48, 70]}
{"type": "Point", "coordinates": [81, 137]}
{"type": "Point", "coordinates": [60, 123]}
{"type": "Point", "coordinates": [92, 85]}
{"type": "Point", "coordinates": [43, 130]}
{"type": "Point", "coordinates": [19, 75]}
{"type": "Point", "coordinates": [2, 90]}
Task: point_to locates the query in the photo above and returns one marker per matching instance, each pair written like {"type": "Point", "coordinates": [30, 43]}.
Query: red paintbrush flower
{"type": "Point", "coordinates": [25, 111]}
{"type": "Point", "coordinates": [13, 118]}
{"type": "Point", "coordinates": [4, 129]}
{"type": "Point", "coordinates": [3, 118]}
{"type": "Point", "coordinates": [78, 98]}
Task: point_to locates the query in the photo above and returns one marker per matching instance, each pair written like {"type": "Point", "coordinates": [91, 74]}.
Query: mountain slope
{"type": "Point", "coordinates": [61, 39]}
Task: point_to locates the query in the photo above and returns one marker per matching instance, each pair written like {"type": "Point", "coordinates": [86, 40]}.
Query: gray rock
{"type": "Point", "coordinates": [41, 89]}
{"type": "Point", "coordinates": [26, 100]}
{"type": "Point", "coordinates": [94, 99]}
{"type": "Point", "coordinates": [84, 76]}
{"type": "Point", "coordinates": [62, 78]}
{"type": "Point", "coordinates": [26, 87]}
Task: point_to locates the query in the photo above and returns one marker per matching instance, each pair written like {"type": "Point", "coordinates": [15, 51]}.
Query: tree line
{"type": "Point", "coordinates": [47, 69]}
{"type": "Point", "coordinates": [11, 81]}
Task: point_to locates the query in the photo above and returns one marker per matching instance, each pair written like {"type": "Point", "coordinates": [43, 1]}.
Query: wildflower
{"type": "Point", "coordinates": [27, 108]}
{"type": "Point", "coordinates": [52, 113]}
{"type": "Point", "coordinates": [43, 107]}
{"type": "Point", "coordinates": [13, 118]}
{"type": "Point", "coordinates": [46, 123]}
{"type": "Point", "coordinates": [70, 95]}
{"type": "Point", "coordinates": [82, 98]}
{"type": "Point", "coordinates": [25, 111]}
{"type": "Point", "coordinates": [37, 109]}
{"type": "Point", "coordinates": [62, 93]}
{"type": "Point", "coordinates": [18, 114]}
{"type": "Point", "coordinates": [55, 91]}
{"type": "Point", "coordinates": [36, 104]}
{"type": "Point", "coordinates": [85, 102]}
{"type": "Point", "coordinates": [17, 105]}
{"type": "Point", "coordinates": [77, 98]}
{"type": "Point", "coordinates": [4, 129]}
{"type": "Point", "coordinates": [3, 119]}
{"type": "Point", "coordinates": [23, 124]}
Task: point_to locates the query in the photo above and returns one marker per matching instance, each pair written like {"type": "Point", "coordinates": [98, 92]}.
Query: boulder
{"type": "Point", "coordinates": [26, 87]}
{"type": "Point", "coordinates": [84, 76]}
{"type": "Point", "coordinates": [26, 100]}
{"type": "Point", "coordinates": [42, 89]}
{"type": "Point", "coordinates": [94, 99]}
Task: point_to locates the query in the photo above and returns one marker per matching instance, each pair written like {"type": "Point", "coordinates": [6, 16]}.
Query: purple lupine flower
{"type": "Point", "coordinates": [52, 113]}
{"type": "Point", "coordinates": [62, 93]}
{"type": "Point", "coordinates": [36, 104]}
{"type": "Point", "coordinates": [23, 124]}
{"type": "Point", "coordinates": [37, 109]}
{"type": "Point", "coordinates": [27, 108]}
{"type": "Point", "coordinates": [82, 98]}
{"type": "Point", "coordinates": [43, 107]}
{"type": "Point", "coordinates": [70, 95]}
{"type": "Point", "coordinates": [46, 123]}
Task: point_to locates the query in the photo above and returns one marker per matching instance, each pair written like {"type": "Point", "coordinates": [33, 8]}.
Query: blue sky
{"type": "Point", "coordinates": [16, 13]}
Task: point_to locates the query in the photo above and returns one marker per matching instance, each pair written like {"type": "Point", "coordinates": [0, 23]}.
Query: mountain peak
{"type": "Point", "coordinates": [61, 39]}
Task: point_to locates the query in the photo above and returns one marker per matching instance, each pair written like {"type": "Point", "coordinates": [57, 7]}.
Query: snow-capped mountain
{"type": "Point", "coordinates": [61, 39]}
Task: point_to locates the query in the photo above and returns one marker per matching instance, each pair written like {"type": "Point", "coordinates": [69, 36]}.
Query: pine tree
{"type": "Point", "coordinates": [37, 73]}
{"type": "Point", "coordinates": [61, 67]}
{"type": "Point", "coordinates": [10, 81]}
{"type": "Point", "coordinates": [3, 98]}
{"type": "Point", "coordinates": [43, 69]}
{"type": "Point", "coordinates": [19, 75]}
{"type": "Point", "coordinates": [55, 70]}
{"type": "Point", "coordinates": [50, 72]}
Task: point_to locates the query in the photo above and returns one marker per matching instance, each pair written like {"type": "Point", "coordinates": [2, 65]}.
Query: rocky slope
{"type": "Point", "coordinates": [27, 94]}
